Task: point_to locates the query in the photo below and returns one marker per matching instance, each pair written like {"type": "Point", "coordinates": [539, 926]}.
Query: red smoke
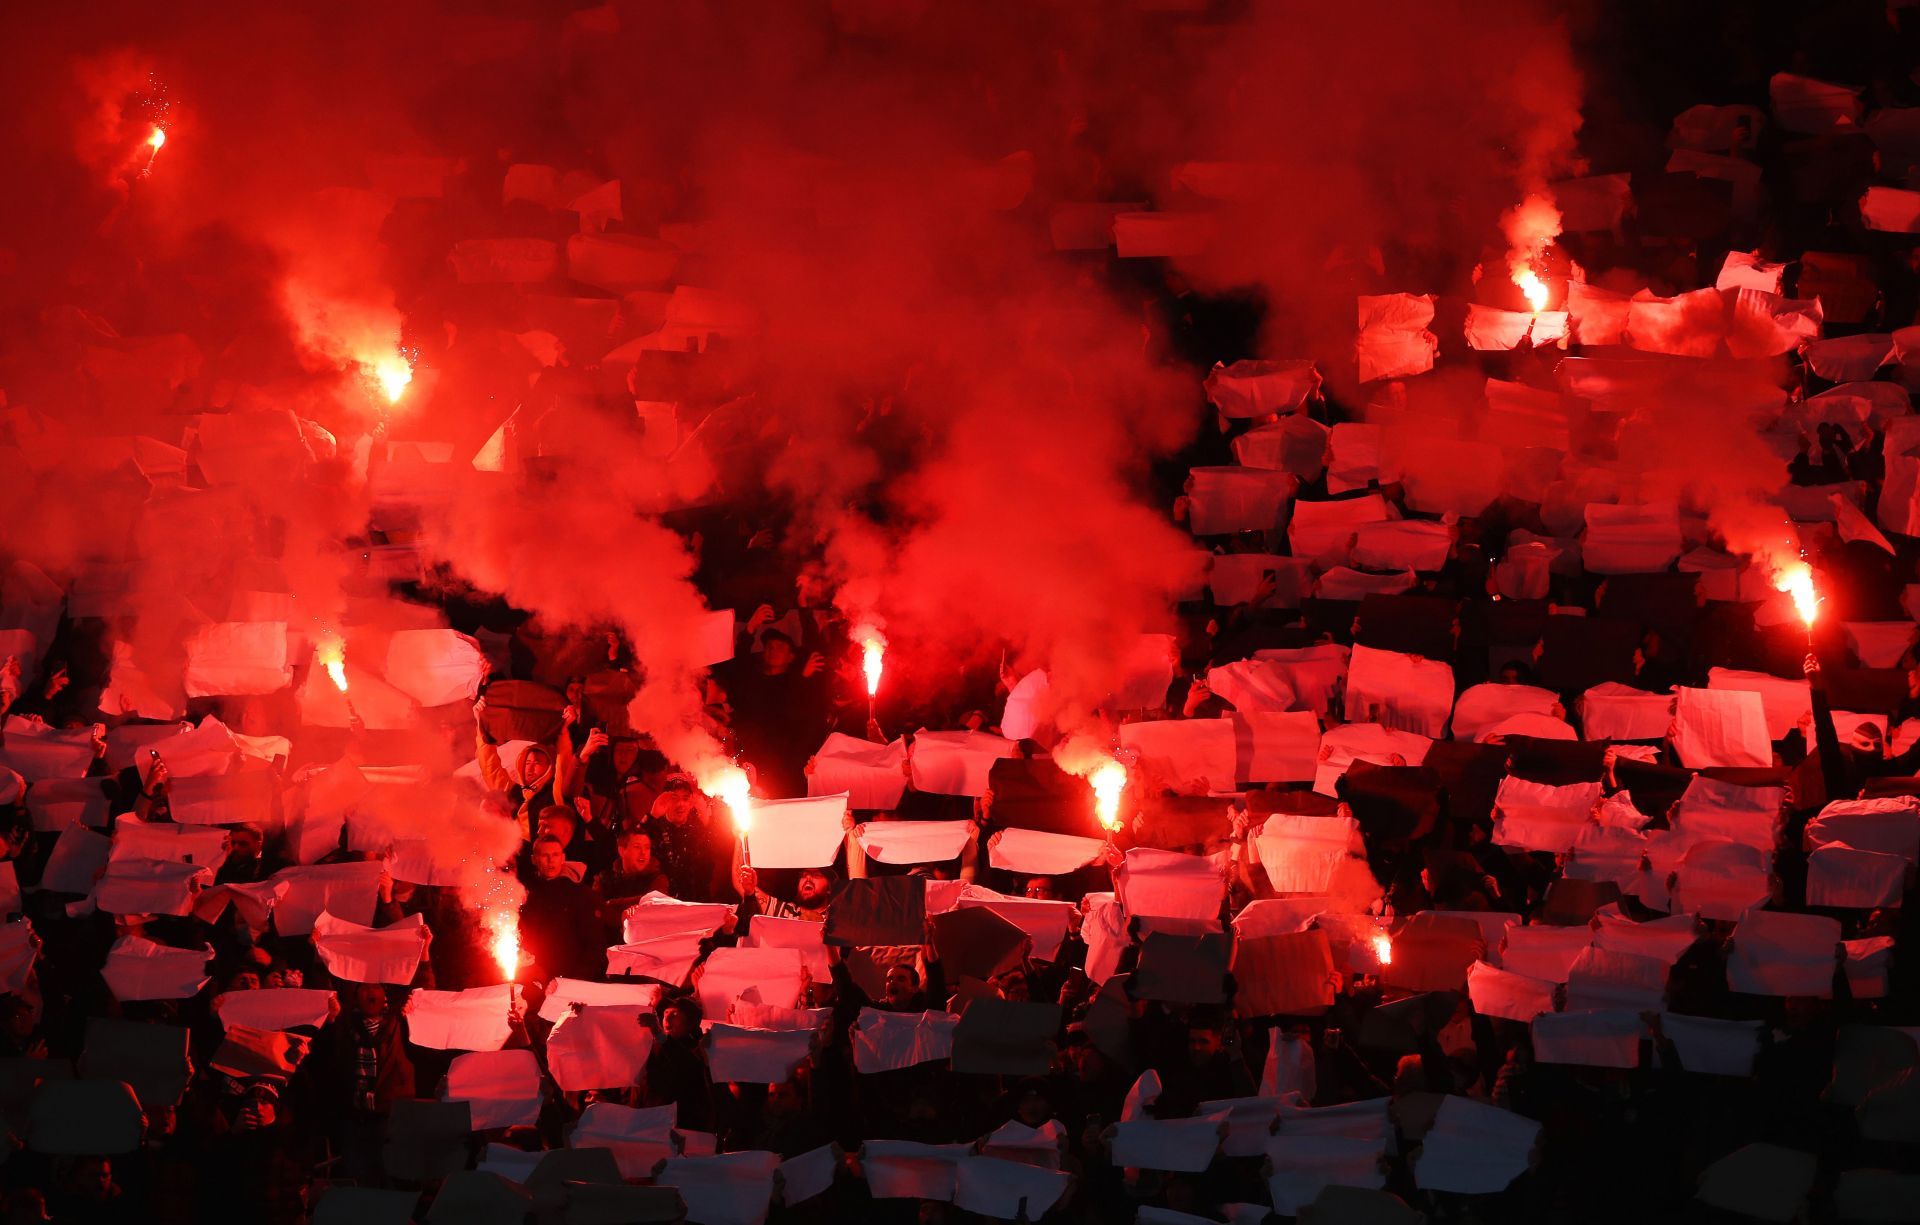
{"type": "Point", "coordinates": [962, 420]}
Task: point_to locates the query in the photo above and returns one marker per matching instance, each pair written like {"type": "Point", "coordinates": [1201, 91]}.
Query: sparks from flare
{"type": "Point", "coordinates": [1108, 781]}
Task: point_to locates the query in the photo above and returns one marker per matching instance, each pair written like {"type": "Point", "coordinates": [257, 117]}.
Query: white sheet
{"type": "Point", "coordinates": [755, 1056]}
{"type": "Point", "coordinates": [871, 776]}
{"type": "Point", "coordinates": [956, 763]}
{"type": "Point", "coordinates": [913, 842]}
{"type": "Point", "coordinates": [501, 1088]}
{"type": "Point", "coordinates": [472, 1020]}
{"type": "Point", "coordinates": [358, 954]}
{"type": "Point", "coordinates": [889, 1041]}
{"type": "Point", "coordinates": [1597, 1039]}
{"type": "Point", "coordinates": [1166, 884]}
{"type": "Point", "coordinates": [1474, 1149]}
{"type": "Point", "coordinates": [1038, 853]}
{"type": "Point", "coordinates": [1717, 727]}
{"type": "Point", "coordinates": [1784, 954]}
{"type": "Point", "coordinates": [599, 1048]}
{"type": "Point", "coordinates": [803, 833]}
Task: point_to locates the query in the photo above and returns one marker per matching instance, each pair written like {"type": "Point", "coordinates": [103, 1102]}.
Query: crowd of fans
{"type": "Point", "coordinates": [1504, 861]}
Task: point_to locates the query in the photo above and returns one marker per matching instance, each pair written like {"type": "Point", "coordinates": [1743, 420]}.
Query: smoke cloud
{"type": "Point", "coordinates": [959, 421]}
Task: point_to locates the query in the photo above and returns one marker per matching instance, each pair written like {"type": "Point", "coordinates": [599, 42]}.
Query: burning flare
{"type": "Point", "coordinates": [873, 653]}
{"type": "Point", "coordinates": [157, 138]}
{"type": "Point", "coordinates": [333, 657]}
{"type": "Point", "coordinates": [1531, 227]}
{"type": "Point", "coordinates": [1796, 579]}
{"type": "Point", "coordinates": [391, 374]}
{"type": "Point", "coordinates": [504, 941]}
{"type": "Point", "coordinates": [1108, 780]}
{"type": "Point", "coordinates": [498, 896]}
{"type": "Point", "coordinates": [1533, 287]}
{"type": "Point", "coordinates": [1383, 948]}
{"type": "Point", "coordinates": [732, 787]}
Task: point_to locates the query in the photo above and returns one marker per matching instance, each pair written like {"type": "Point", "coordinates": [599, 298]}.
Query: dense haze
{"type": "Point", "coordinates": [960, 419]}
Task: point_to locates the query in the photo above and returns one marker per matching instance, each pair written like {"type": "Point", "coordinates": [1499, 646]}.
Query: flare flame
{"type": "Point", "coordinates": [1533, 287]}
{"type": "Point", "coordinates": [1531, 227]}
{"type": "Point", "coordinates": [497, 896]}
{"type": "Point", "coordinates": [1108, 781]}
{"type": "Point", "coordinates": [504, 943]}
{"type": "Point", "coordinates": [1383, 948]}
{"type": "Point", "coordinates": [873, 653]}
{"type": "Point", "coordinates": [392, 375]}
{"type": "Point", "coordinates": [157, 138]}
{"type": "Point", "coordinates": [333, 657]}
{"type": "Point", "coordinates": [1796, 579]}
{"type": "Point", "coordinates": [732, 787]}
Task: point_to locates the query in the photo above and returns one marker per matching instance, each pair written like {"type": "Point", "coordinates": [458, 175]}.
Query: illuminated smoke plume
{"type": "Point", "coordinates": [1531, 228]}
{"type": "Point", "coordinates": [963, 421]}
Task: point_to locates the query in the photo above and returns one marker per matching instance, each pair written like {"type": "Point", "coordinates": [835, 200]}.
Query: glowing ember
{"type": "Point", "coordinates": [734, 789]}
{"type": "Point", "coordinates": [156, 138]}
{"type": "Point", "coordinates": [1796, 579]}
{"type": "Point", "coordinates": [392, 374]}
{"type": "Point", "coordinates": [873, 651]}
{"type": "Point", "coordinates": [1533, 287]}
{"type": "Point", "coordinates": [1108, 781]}
{"type": "Point", "coordinates": [1383, 948]}
{"type": "Point", "coordinates": [333, 657]}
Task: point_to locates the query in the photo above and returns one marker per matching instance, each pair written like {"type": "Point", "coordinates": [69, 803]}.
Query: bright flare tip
{"type": "Point", "coordinates": [873, 654]}
{"type": "Point", "coordinates": [1383, 949]}
{"type": "Point", "coordinates": [333, 657]}
{"type": "Point", "coordinates": [1533, 287]}
{"type": "Point", "coordinates": [734, 789]}
{"type": "Point", "coordinates": [1108, 781]}
{"type": "Point", "coordinates": [505, 945]}
{"type": "Point", "coordinates": [156, 138]}
{"type": "Point", "coordinates": [392, 374]}
{"type": "Point", "coordinates": [1796, 579]}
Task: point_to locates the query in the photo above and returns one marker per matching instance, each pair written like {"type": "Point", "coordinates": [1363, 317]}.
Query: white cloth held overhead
{"type": "Point", "coordinates": [1719, 727]}
{"type": "Point", "coordinates": [501, 1088]}
{"type": "Point", "coordinates": [1404, 692]}
{"type": "Point", "coordinates": [889, 1041]}
{"type": "Point", "coordinates": [756, 1056]}
{"type": "Point", "coordinates": [957, 763]}
{"type": "Point", "coordinates": [803, 833]}
{"type": "Point", "coordinates": [1784, 954]}
{"type": "Point", "coordinates": [1038, 853]}
{"type": "Point", "coordinates": [476, 1019]}
{"type": "Point", "coordinates": [1595, 1038]}
{"type": "Point", "coordinates": [1474, 1149]}
{"type": "Point", "coordinates": [599, 1048]}
{"type": "Point", "coordinates": [871, 776]}
{"type": "Point", "coordinates": [913, 842]}
{"type": "Point", "coordinates": [1169, 885]}
{"type": "Point", "coordinates": [1181, 751]}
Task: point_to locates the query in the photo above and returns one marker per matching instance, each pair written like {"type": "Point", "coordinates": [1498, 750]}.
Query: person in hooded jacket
{"type": "Point", "coordinates": [534, 775]}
